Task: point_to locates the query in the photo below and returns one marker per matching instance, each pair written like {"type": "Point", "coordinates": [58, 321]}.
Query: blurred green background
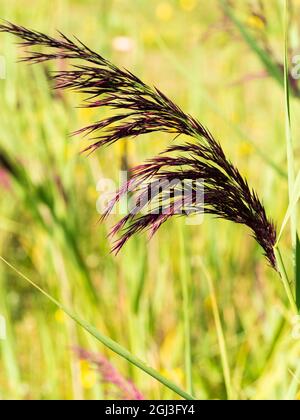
{"type": "Point", "coordinates": [48, 217]}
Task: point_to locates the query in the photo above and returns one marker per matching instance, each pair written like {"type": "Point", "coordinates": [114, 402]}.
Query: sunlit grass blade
{"type": "Point", "coordinates": [294, 386]}
{"type": "Point", "coordinates": [106, 341]}
{"type": "Point", "coordinates": [297, 272]}
{"type": "Point", "coordinates": [271, 352]}
{"type": "Point", "coordinates": [221, 336]}
{"type": "Point", "coordinates": [184, 279]}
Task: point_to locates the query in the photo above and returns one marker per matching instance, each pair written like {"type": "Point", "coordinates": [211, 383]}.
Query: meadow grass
{"type": "Point", "coordinates": [197, 304]}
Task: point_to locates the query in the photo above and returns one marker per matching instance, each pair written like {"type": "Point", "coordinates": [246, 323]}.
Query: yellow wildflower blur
{"type": "Point", "coordinates": [164, 11]}
{"type": "Point", "coordinates": [256, 22]}
{"type": "Point", "coordinates": [245, 149]}
{"type": "Point", "coordinates": [149, 36]}
{"type": "Point", "coordinates": [60, 316]}
{"type": "Point", "coordinates": [176, 375]}
{"type": "Point", "coordinates": [87, 376]}
{"type": "Point", "coordinates": [188, 5]}
{"type": "Point", "coordinates": [92, 193]}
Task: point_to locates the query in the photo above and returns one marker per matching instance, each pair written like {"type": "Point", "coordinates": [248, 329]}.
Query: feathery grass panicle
{"type": "Point", "coordinates": [110, 375]}
{"type": "Point", "coordinates": [139, 109]}
{"type": "Point", "coordinates": [169, 186]}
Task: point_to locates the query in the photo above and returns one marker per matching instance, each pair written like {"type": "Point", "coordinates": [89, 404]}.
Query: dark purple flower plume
{"type": "Point", "coordinates": [139, 109]}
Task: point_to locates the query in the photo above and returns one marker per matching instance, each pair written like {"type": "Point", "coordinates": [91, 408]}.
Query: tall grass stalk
{"type": "Point", "coordinates": [290, 156]}
{"type": "Point", "coordinates": [288, 128]}
{"type": "Point", "coordinates": [108, 342]}
{"type": "Point", "coordinates": [221, 335]}
{"type": "Point", "coordinates": [293, 187]}
{"type": "Point", "coordinates": [184, 280]}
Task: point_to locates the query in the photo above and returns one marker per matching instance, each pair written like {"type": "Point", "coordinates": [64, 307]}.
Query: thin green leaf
{"type": "Point", "coordinates": [289, 140]}
{"type": "Point", "coordinates": [293, 185]}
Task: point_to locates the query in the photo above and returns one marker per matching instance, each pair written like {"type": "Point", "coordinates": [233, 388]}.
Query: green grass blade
{"type": "Point", "coordinates": [290, 155]}
{"type": "Point", "coordinates": [271, 67]}
{"type": "Point", "coordinates": [293, 184]}
{"type": "Point", "coordinates": [106, 341]}
{"type": "Point", "coordinates": [285, 280]}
